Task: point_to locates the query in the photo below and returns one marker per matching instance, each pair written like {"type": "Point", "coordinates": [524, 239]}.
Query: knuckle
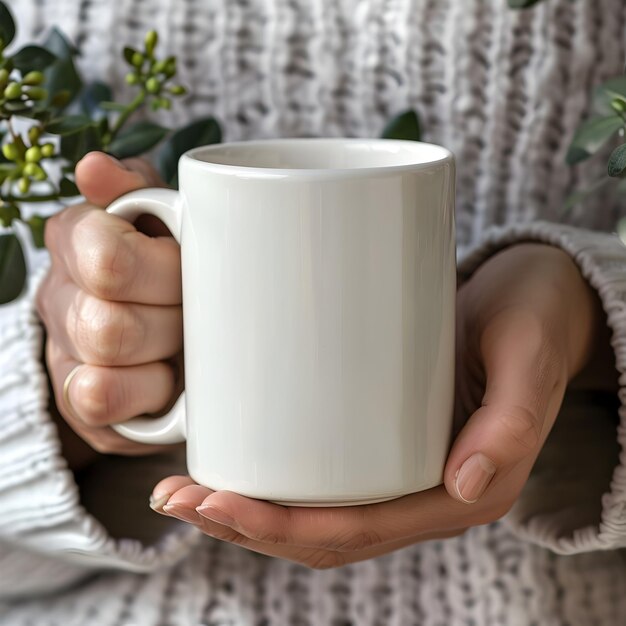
{"type": "Point", "coordinates": [96, 397]}
{"type": "Point", "coordinates": [522, 426]}
{"type": "Point", "coordinates": [105, 331]}
{"type": "Point", "coordinates": [107, 266]}
{"type": "Point", "coordinates": [324, 559]}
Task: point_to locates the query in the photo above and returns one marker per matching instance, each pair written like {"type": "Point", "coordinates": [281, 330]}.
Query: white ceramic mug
{"type": "Point", "coordinates": [318, 302]}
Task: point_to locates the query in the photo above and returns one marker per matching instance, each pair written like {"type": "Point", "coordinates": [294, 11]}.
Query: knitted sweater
{"type": "Point", "coordinates": [504, 90]}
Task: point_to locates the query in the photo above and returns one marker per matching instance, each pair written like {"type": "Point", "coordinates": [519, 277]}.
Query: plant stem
{"type": "Point", "coordinates": [123, 118]}
{"type": "Point", "coordinates": [50, 198]}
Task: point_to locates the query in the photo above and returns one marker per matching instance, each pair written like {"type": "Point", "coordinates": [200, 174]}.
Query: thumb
{"type": "Point", "coordinates": [526, 376]}
{"type": "Point", "coordinates": [102, 179]}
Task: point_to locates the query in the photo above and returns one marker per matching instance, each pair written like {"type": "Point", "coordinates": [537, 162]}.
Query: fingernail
{"type": "Point", "coordinates": [187, 515]}
{"type": "Point", "coordinates": [215, 515]}
{"type": "Point", "coordinates": [473, 477]}
{"type": "Point", "coordinates": [157, 500]}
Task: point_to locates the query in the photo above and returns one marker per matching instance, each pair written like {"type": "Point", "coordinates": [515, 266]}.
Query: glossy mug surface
{"type": "Point", "coordinates": [319, 300]}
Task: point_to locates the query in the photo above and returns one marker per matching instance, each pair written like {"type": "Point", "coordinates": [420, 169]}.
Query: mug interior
{"type": "Point", "coordinates": [322, 154]}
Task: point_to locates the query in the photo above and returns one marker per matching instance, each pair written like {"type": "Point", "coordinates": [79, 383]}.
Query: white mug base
{"type": "Point", "coordinates": [328, 502]}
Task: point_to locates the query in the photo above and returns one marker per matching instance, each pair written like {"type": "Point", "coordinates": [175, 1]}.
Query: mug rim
{"type": "Point", "coordinates": [191, 157]}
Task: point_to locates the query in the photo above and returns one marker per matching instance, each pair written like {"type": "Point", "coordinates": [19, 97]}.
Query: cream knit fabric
{"type": "Point", "coordinates": [504, 90]}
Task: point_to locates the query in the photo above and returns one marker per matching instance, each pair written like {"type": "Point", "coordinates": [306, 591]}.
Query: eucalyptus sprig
{"type": "Point", "coordinates": [50, 119]}
{"type": "Point", "coordinates": [607, 123]}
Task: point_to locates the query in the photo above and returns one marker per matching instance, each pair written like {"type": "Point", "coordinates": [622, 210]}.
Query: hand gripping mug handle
{"type": "Point", "coordinates": [167, 206]}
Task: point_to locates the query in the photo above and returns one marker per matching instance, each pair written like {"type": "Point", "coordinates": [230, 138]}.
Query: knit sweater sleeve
{"type": "Point", "coordinates": [575, 499]}
{"type": "Point", "coordinates": [48, 538]}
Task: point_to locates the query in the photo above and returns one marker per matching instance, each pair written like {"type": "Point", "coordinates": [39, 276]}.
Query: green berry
{"type": "Point", "coordinates": [24, 185]}
{"type": "Point", "coordinates": [165, 103]}
{"type": "Point", "coordinates": [31, 169]}
{"type": "Point", "coordinates": [10, 151]}
{"type": "Point", "coordinates": [138, 59]}
{"type": "Point", "coordinates": [33, 79]}
{"type": "Point", "coordinates": [33, 155]}
{"type": "Point", "coordinates": [132, 78]}
{"type": "Point", "coordinates": [153, 85]}
{"type": "Point", "coordinates": [155, 105]}
{"type": "Point", "coordinates": [4, 78]}
{"type": "Point", "coordinates": [36, 93]}
{"type": "Point", "coordinates": [152, 39]}
{"type": "Point", "coordinates": [35, 171]}
{"type": "Point", "coordinates": [178, 90]}
{"type": "Point", "coordinates": [158, 67]}
{"type": "Point", "coordinates": [170, 67]}
{"type": "Point", "coordinates": [13, 91]}
{"type": "Point", "coordinates": [48, 150]}
{"type": "Point", "coordinates": [619, 105]}
{"type": "Point", "coordinates": [34, 133]}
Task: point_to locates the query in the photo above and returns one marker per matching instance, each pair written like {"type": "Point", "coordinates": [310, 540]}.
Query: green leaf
{"type": "Point", "coordinates": [91, 98]}
{"type": "Point", "coordinates": [37, 225]}
{"type": "Point", "coordinates": [68, 188]}
{"type": "Point", "coordinates": [128, 54]}
{"type": "Point", "coordinates": [606, 92]}
{"type": "Point", "coordinates": [617, 162]}
{"type": "Point", "coordinates": [591, 136]}
{"type": "Point", "coordinates": [33, 59]}
{"type": "Point", "coordinates": [74, 147]}
{"type": "Point", "coordinates": [199, 133]}
{"type": "Point", "coordinates": [12, 268]}
{"type": "Point", "coordinates": [68, 125]}
{"type": "Point", "coordinates": [137, 139]}
{"type": "Point", "coordinates": [522, 4]}
{"type": "Point", "coordinates": [59, 45]}
{"type": "Point", "coordinates": [61, 76]}
{"type": "Point", "coordinates": [403, 126]}
{"type": "Point", "coordinates": [7, 24]}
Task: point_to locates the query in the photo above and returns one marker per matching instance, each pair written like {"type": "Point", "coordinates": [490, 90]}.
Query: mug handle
{"type": "Point", "coordinates": [165, 204]}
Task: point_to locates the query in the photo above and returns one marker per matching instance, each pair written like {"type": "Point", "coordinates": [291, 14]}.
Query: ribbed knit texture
{"type": "Point", "coordinates": [504, 90]}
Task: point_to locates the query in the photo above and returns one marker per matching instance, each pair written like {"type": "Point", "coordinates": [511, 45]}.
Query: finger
{"type": "Point", "coordinates": [343, 529]}
{"type": "Point", "coordinates": [109, 258]}
{"type": "Point", "coordinates": [165, 488]}
{"type": "Point", "coordinates": [186, 496]}
{"type": "Point", "coordinates": [101, 179]}
{"type": "Point", "coordinates": [99, 396]}
{"type": "Point", "coordinates": [317, 558]}
{"type": "Point", "coordinates": [106, 333]}
{"type": "Point", "coordinates": [525, 382]}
